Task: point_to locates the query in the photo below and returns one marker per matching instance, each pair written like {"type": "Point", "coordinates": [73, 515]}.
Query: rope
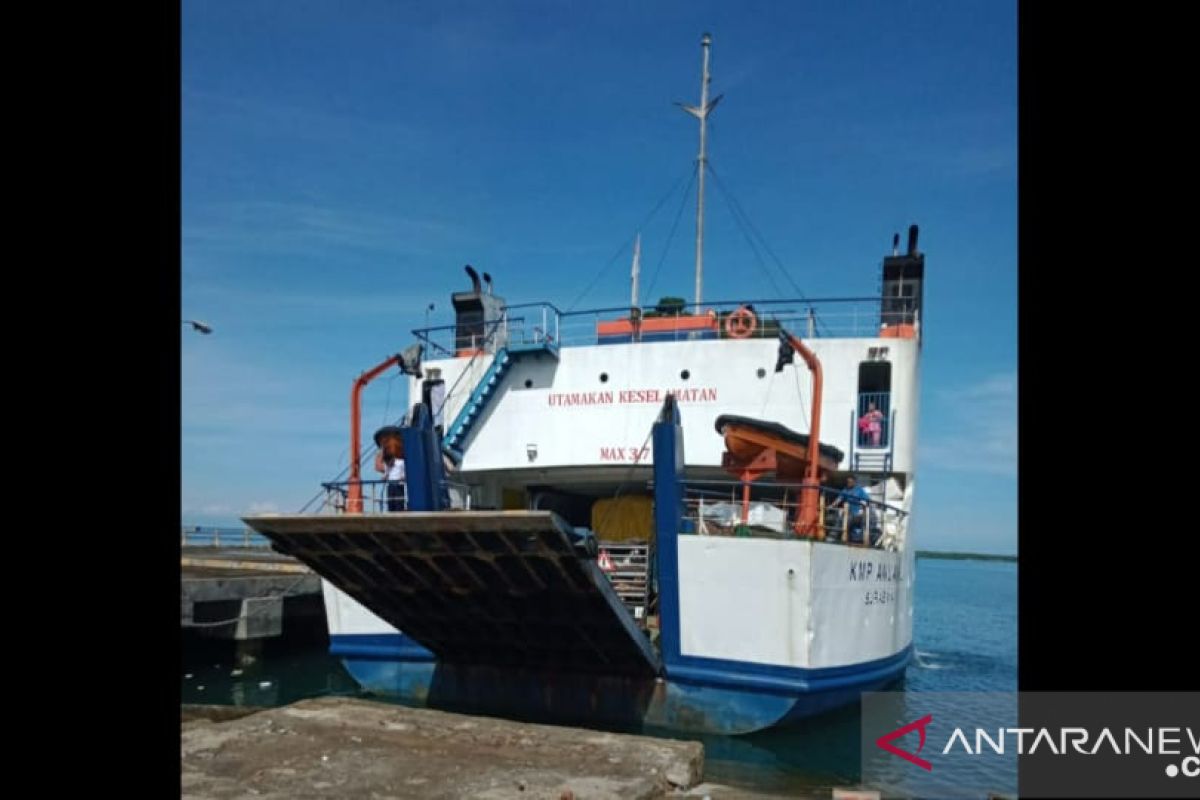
{"type": "Point", "coordinates": [625, 245]}
{"type": "Point", "coordinates": [767, 394]}
{"type": "Point", "coordinates": [249, 613]}
{"type": "Point", "coordinates": [671, 235]}
{"type": "Point", "coordinates": [800, 397]}
{"type": "Point", "coordinates": [369, 450]}
{"type": "Point", "coordinates": [762, 265]}
{"type": "Point", "coordinates": [736, 207]}
{"type": "Point", "coordinates": [387, 405]}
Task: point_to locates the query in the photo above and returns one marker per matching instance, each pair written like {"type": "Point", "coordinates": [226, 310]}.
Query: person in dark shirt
{"type": "Point", "coordinates": [854, 499]}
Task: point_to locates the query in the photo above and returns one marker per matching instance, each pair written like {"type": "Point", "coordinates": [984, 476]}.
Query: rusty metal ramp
{"type": "Point", "coordinates": [502, 588]}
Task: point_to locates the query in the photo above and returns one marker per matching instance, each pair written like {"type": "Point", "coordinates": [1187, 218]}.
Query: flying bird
{"type": "Point", "coordinates": [199, 326]}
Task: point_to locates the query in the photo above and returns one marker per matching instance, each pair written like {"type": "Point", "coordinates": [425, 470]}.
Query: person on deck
{"type": "Point", "coordinates": [392, 467]}
{"type": "Point", "coordinates": [854, 500]}
{"type": "Point", "coordinates": [870, 425]}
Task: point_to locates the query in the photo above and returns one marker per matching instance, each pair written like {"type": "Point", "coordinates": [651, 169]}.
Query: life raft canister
{"type": "Point", "coordinates": [741, 324]}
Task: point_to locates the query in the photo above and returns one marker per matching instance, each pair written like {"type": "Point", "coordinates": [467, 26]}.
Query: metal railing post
{"type": "Point", "coordinates": [891, 438]}
{"type": "Point", "coordinates": [853, 435]}
{"type": "Point", "coordinates": [216, 537]}
{"type": "Point", "coordinates": [822, 525]}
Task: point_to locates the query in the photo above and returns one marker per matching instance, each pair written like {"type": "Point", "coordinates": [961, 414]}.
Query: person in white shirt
{"type": "Point", "coordinates": [391, 465]}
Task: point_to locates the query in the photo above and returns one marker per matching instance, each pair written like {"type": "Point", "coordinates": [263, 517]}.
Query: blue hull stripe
{"type": "Point", "coordinates": [784, 680]}
{"type": "Point", "coordinates": [721, 673]}
{"type": "Point", "coordinates": [378, 647]}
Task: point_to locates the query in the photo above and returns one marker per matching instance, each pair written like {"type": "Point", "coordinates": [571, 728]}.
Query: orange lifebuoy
{"type": "Point", "coordinates": [741, 324]}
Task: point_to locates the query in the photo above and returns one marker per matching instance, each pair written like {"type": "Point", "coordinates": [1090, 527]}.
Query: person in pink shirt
{"type": "Point", "coordinates": [871, 424]}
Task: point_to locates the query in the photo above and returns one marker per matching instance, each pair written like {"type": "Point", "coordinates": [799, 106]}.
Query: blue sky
{"type": "Point", "coordinates": [342, 161]}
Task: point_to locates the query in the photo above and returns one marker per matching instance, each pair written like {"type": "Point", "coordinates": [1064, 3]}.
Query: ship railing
{"type": "Point", "coordinates": [446, 341]}
{"type": "Point", "coordinates": [720, 508]}
{"type": "Point", "coordinates": [204, 536]}
{"type": "Point", "coordinates": [443, 341]}
{"type": "Point", "coordinates": [725, 319]}
{"type": "Point", "coordinates": [382, 496]}
{"type": "Point", "coordinates": [532, 323]}
{"type": "Point", "coordinates": [541, 322]}
{"type": "Point", "coordinates": [438, 340]}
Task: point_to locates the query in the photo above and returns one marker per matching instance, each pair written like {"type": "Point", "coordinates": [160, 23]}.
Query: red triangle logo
{"type": "Point", "coordinates": [885, 742]}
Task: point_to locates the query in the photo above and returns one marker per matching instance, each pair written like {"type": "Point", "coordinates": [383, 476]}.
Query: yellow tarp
{"type": "Point", "coordinates": [513, 499]}
{"type": "Point", "coordinates": [624, 519]}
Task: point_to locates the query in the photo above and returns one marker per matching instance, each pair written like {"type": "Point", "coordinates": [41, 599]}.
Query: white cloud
{"type": "Point", "coordinates": [289, 227]}
{"type": "Point", "coordinates": [294, 306]}
{"type": "Point", "coordinates": [209, 509]}
{"type": "Point", "coordinates": [981, 419]}
{"type": "Point", "coordinates": [273, 120]}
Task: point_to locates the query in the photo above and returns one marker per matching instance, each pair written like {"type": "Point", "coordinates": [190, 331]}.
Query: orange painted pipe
{"type": "Point", "coordinates": [808, 522]}
{"type": "Point", "coordinates": [354, 504]}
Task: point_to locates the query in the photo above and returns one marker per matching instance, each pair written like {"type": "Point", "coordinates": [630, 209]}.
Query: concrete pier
{"type": "Point", "coordinates": [340, 747]}
{"type": "Point", "coordinates": [245, 594]}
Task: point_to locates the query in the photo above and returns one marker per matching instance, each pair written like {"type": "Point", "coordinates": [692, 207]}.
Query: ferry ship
{"type": "Point", "coordinates": [638, 516]}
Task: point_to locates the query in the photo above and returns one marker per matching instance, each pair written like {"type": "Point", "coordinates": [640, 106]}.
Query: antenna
{"type": "Point", "coordinates": [637, 261]}
{"type": "Point", "coordinates": [701, 113]}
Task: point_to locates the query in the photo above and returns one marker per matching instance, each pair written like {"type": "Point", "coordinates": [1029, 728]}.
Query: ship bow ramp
{"type": "Point", "coordinates": [492, 589]}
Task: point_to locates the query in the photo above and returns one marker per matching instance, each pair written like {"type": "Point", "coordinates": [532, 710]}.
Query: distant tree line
{"type": "Point", "coordinates": [963, 556]}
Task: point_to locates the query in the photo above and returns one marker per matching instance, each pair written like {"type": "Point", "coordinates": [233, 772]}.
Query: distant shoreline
{"type": "Point", "coordinates": [964, 556]}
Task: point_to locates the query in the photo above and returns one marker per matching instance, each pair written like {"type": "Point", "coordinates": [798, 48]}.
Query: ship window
{"type": "Point", "coordinates": [762, 373]}
{"type": "Point", "coordinates": [873, 418]}
{"type": "Point", "coordinates": [528, 383]}
{"type": "Point", "coordinates": [604, 377]}
{"type": "Point", "coordinates": [908, 290]}
{"type": "Point", "coordinates": [685, 375]}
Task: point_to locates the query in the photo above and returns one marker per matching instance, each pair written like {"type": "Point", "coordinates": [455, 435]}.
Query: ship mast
{"type": "Point", "coordinates": [701, 113]}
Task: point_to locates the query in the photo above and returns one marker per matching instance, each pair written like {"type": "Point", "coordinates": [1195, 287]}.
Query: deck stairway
{"type": "Point", "coordinates": [455, 440]}
{"type": "Point", "coordinates": [872, 461]}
